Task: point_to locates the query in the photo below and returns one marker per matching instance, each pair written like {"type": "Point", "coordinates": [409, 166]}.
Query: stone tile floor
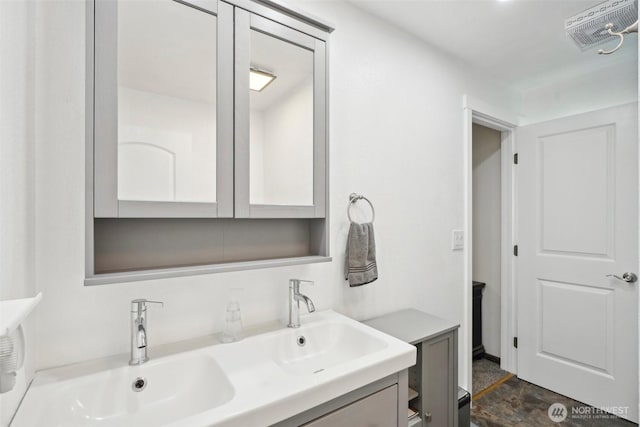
{"type": "Point", "coordinates": [521, 404]}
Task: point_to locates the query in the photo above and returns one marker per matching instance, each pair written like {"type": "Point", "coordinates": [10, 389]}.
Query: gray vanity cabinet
{"type": "Point", "coordinates": [379, 404]}
{"type": "Point", "coordinates": [433, 381]}
{"type": "Point", "coordinates": [378, 410]}
{"type": "Point", "coordinates": [436, 380]}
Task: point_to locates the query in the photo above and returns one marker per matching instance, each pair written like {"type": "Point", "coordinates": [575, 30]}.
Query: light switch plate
{"type": "Point", "coordinates": [457, 240]}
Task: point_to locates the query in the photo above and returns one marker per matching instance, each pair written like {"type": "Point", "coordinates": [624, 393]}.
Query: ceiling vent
{"type": "Point", "coordinates": [587, 29]}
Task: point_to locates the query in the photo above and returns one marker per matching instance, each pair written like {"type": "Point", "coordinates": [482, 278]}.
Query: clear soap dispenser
{"type": "Point", "coordinates": [233, 319]}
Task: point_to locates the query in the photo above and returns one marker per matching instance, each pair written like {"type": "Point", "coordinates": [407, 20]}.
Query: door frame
{"type": "Point", "coordinates": [479, 112]}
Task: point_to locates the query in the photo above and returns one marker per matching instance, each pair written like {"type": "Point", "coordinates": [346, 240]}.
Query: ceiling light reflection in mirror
{"type": "Point", "coordinates": [259, 79]}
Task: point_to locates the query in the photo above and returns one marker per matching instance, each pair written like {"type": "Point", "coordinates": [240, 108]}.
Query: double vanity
{"type": "Point", "coordinates": [330, 366]}
{"type": "Point", "coordinates": [322, 369]}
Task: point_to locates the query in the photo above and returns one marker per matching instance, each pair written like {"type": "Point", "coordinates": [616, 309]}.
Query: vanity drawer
{"type": "Point", "coordinates": [377, 410]}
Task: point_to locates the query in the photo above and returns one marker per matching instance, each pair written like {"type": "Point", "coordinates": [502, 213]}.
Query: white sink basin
{"type": "Point", "coordinates": [174, 388]}
{"type": "Point", "coordinates": [314, 348]}
{"type": "Point", "coordinates": [259, 381]}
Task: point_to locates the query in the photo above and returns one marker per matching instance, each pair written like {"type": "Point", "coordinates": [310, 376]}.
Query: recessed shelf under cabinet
{"type": "Point", "coordinates": [136, 249]}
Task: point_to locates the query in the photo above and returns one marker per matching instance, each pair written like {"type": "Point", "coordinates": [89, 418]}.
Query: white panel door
{"type": "Point", "coordinates": [577, 214]}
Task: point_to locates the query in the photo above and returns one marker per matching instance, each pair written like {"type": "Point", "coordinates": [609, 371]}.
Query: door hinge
{"type": "Point", "coordinates": [515, 159]}
{"type": "Point", "coordinates": [515, 342]}
{"type": "Point", "coordinates": [515, 250]}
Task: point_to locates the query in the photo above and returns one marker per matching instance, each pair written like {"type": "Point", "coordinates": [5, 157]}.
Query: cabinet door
{"type": "Point", "coordinates": [378, 410]}
{"type": "Point", "coordinates": [280, 119]}
{"type": "Point", "coordinates": [163, 108]}
{"type": "Point", "coordinates": [440, 381]}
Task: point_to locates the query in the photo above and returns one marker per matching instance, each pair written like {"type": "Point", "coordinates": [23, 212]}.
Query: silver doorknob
{"type": "Point", "coordinates": [626, 277]}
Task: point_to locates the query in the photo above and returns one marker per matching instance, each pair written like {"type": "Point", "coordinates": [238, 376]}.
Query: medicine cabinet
{"type": "Point", "coordinates": [204, 118]}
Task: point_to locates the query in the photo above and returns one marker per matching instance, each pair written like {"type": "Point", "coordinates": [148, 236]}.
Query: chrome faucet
{"type": "Point", "coordinates": [294, 302]}
{"type": "Point", "coordinates": [139, 330]}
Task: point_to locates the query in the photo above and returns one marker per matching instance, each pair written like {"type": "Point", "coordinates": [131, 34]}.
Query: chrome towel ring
{"type": "Point", "coordinates": [353, 198]}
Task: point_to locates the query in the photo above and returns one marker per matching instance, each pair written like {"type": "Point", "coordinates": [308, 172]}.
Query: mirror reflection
{"type": "Point", "coordinates": [281, 122]}
{"type": "Point", "coordinates": [166, 102]}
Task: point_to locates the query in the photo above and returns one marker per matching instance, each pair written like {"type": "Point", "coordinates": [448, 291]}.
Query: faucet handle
{"type": "Point", "coordinates": [296, 282]}
{"type": "Point", "coordinates": [140, 304]}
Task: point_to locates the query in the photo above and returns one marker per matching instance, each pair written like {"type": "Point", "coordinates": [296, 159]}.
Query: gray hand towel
{"type": "Point", "coordinates": [360, 265]}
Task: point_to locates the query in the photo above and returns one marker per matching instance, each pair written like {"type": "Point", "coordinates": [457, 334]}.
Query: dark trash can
{"type": "Point", "coordinates": [464, 408]}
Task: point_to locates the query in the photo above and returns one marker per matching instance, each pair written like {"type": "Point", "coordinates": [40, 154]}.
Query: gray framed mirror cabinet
{"type": "Point", "coordinates": [207, 138]}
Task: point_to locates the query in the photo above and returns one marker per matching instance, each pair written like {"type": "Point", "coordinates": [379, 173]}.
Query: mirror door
{"type": "Point", "coordinates": [164, 99]}
{"type": "Point", "coordinates": [280, 147]}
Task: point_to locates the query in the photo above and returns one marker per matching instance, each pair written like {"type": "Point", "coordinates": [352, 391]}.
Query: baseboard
{"type": "Point", "coordinates": [492, 358]}
{"type": "Point", "coordinates": [478, 352]}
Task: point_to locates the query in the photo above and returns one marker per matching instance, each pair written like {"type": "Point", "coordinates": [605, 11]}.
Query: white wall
{"type": "Point", "coordinates": [17, 192]}
{"type": "Point", "coordinates": [17, 183]}
{"type": "Point", "coordinates": [487, 194]}
{"type": "Point", "coordinates": [609, 86]}
{"type": "Point", "coordinates": [396, 136]}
